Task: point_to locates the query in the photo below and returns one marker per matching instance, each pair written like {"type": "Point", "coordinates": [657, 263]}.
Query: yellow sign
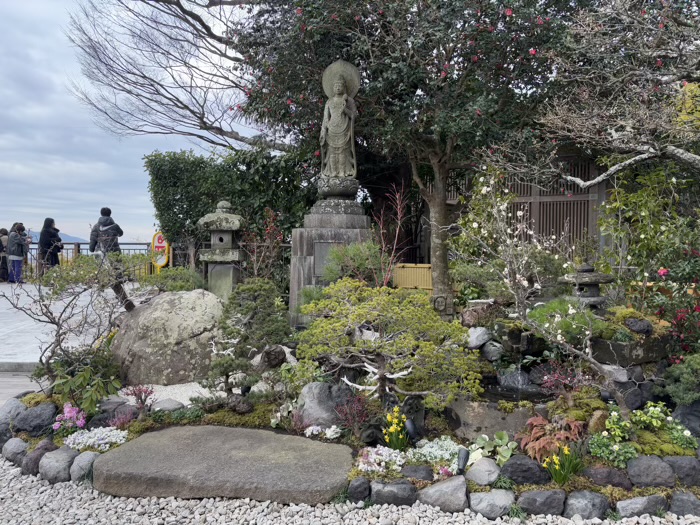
{"type": "Point", "coordinates": [161, 250]}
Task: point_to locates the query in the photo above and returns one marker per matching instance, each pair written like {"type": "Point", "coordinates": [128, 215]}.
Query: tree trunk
{"type": "Point", "coordinates": [439, 235]}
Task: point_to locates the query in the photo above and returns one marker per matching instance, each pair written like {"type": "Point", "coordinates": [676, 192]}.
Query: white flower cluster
{"type": "Point", "coordinates": [329, 433]}
{"type": "Point", "coordinates": [442, 450]}
{"type": "Point", "coordinates": [98, 439]}
{"type": "Point", "coordinates": [380, 459]}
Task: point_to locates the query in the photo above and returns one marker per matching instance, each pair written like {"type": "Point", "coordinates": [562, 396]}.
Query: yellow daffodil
{"type": "Point", "coordinates": [389, 418]}
{"type": "Point", "coordinates": [567, 451]}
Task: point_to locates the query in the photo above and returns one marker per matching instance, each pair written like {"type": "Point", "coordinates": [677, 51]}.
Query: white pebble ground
{"type": "Point", "coordinates": [181, 393]}
{"type": "Point", "coordinates": [27, 500]}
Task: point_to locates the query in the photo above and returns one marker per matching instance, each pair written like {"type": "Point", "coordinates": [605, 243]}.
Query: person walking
{"type": "Point", "coordinates": [4, 241]}
{"type": "Point", "coordinates": [17, 250]}
{"type": "Point", "coordinates": [105, 237]}
{"type": "Point", "coordinates": [50, 245]}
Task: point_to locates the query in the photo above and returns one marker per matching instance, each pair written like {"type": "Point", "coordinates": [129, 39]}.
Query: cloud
{"type": "Point", "coordinates": [54, 160]}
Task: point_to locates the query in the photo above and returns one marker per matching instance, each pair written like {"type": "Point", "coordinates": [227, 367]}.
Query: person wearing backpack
{"type": "Point", "coordinates": [4, 240]}
{"type": "Point", "coordinates": [104, 237]}
{"type": "Point", "coordinates": [17, 250]}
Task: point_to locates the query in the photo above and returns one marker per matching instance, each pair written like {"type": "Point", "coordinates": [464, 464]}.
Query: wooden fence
{"type": "Point", "coordinates": [413, 276]}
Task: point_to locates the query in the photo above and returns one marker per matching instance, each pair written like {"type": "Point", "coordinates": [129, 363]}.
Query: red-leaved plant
{"type": "Point", "coordinates": [353, 414]}
{"type": "Point", "coordinates": [544, 438]}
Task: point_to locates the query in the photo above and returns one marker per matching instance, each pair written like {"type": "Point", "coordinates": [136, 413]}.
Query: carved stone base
{"type": "Point", "coordinates": [346, 187]}
{"type": "Point", "coordinates": [330, 222]}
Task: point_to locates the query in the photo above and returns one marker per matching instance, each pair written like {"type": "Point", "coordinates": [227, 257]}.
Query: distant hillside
{"type": "Point", "coordinates": [64, 237]}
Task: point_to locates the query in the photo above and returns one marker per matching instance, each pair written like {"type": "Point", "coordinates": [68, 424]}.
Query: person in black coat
{"type": "Point", "coordinates": [50, 245]}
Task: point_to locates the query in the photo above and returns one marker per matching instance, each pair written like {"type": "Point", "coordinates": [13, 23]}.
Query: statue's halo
{"type": "Point", "coordinates": [349, 72]}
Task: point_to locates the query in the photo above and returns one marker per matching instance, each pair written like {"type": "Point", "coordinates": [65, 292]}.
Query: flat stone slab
{"type": "Point", "coordinates": [210, 461]}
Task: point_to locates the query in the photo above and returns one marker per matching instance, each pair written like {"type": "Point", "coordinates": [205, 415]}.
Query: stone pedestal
{"type": "Point", "coordinates": [329, 222]}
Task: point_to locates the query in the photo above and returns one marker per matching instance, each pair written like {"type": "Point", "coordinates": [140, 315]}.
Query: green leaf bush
{"type": "Point", "coordinates": [409, 335]}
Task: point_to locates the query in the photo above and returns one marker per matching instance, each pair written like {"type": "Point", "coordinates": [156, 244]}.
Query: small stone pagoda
{"type": "Point", "coordinates": [586, 282]}
{"type": "Point", "coordinates": [223, 257]}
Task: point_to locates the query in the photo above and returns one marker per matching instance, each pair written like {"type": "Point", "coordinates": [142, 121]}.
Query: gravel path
{"type": "Point", "coordinates": [26, 500]}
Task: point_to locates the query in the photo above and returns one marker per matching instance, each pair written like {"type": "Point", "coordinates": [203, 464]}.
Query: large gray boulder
{"type": "Point", "coordinates": [14, 450]}
{"type": "Point", "coordinates": [167, 341]}
{"type": "Point", "coordinates": [8, 412]}
{"type": "Point", "coordinates": [471, 419]}
{"type": "Point", "coordinates": [544, 502]}
{"type": "Point", "coordinates": [55, 466]}
{"type": "Point", "coordinates": [30, 462]}
{"type": "Point", "coordinates": [684, 504]}
{"type": "Point", "coordinates": [644, 505]}
{"type": "Point", "coordinates": [650, 471]}
{"type": "Point", "coordinates": [82, 465]}
{"type": "Point", "coordinates": [492, 505]}
{"type": "Point", "coordinates": [525, 470]}
{"type": "Point", "coordinates": [194, 462]}
{"type": "Point", "coordinates": [689, 415]}
{"type": "Point", "coordinates": [418, 472]}
{"type": "Point", "coordinates": [36, 421]}
{"type": "Point", "coordinates": [317, 403]}
{"type": "Point", "coordinates": [492, 351]}
{"type": "Point", "coordinates": [449, 495]}
{"type": "Point", "coordinates": [686, 469]}
{"type": "Point", "coordinates": [401, 492]}
{"type": "Point", "coordinates": [483, 472]}
{"type": "Point", "coordinates": [586, 504]}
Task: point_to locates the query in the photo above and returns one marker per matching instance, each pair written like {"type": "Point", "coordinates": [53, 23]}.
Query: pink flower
{"type": "Point", "coordinates": [663, 272]}
{"type": "Point", "coordinates": [443, 74]}
{"type": "Point", "coordinates": [56, 425]}
{"type": "Point", "coordinates": [299, 11]}
{"type": "Point", "coordinates": [533, 52]}
{"type": "Point", "coordinates": [317, 153]}
{"type": "Point", "coordinates": [508, 12]}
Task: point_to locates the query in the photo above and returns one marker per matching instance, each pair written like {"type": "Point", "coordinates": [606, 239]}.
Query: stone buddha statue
{"type": "Point", "coordinates": [341, 82]}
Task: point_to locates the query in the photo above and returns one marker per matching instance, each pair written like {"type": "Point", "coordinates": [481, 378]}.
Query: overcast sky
{"type": "Point", "coordinates": [54, 160]}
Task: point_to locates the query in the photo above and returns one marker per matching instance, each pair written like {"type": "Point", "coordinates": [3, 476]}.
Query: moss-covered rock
{"type": "Point", "coordinates": [658, 443]}
{"type": "Point", "coordinates": [258, 418]}
{"type": "Point", "coordinates": [586, 402]}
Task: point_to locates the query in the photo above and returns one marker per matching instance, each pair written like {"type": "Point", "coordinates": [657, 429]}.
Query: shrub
{"type": "Point", "coordinates": [683, 381]}
{"type": "Point", "coordinates": [398, 334]}
{"type": "Point", "coordinates": [361, 261]}
{"type": "Point", "coordinates": [296, 377]}
{"type": "Point", "coordinates": [544, 439]}
{"type": "Point", "coordinates": [176, 279]}
{"type": "Point", "coordinates": [254, 318]}
{"type": "Point", "coordinates": [615, 454]}
{"type": "Point", "coordinates": [567, 319]}
{"type": "Point", "coordinates": [353, 414]}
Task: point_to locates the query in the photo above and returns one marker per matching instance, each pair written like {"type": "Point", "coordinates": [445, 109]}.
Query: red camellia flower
{"type": "Point", "coordinates": [663, 272]}
{"type": "Point", "coordinates": [509, 12]}
{"type": "Point", "coordinates": [358, 17]}
{"type": "Point", "coordinates": [317, 153]}
{"type": "Point", "coordinates": [334, 17]}
{"type": "Point", "coordinates": [533, 52]}
{"type": "Point", "coordinates": [659, 62]}
{"type": "Point", "coordinates": [443, 74]}
{"type": "Point", "coordinates": [540, 21]}
{"type": "Point", "coordinates": [299, 11]}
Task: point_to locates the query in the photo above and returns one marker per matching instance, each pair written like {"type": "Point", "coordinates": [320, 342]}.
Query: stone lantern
{"type": "Point", "coordinates": [223, 257]}
{"type": "Point", "coordinates": [586, 282]}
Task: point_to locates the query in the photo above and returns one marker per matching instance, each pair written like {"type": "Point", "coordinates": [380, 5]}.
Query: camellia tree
{"type": "Point", "coordinates": [629, 73]}
{"type": "Point", "coordinates": [439, 78]}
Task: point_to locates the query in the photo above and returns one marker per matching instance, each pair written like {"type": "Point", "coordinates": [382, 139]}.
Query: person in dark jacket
{"type": "Point", "coordinates": [105, 237]}
{"type": "Point", "coordinates": [4, 241]}
{"type": "Point", "coordinates": [17, 250]}
{"type": "Point", "coordinates": [50, 245]}
{"type": "Point", "coordinates": [105, 234]}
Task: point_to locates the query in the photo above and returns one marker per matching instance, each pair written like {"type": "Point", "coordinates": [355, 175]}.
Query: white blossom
{"type": "Point", "coordinates": [101, 438]}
